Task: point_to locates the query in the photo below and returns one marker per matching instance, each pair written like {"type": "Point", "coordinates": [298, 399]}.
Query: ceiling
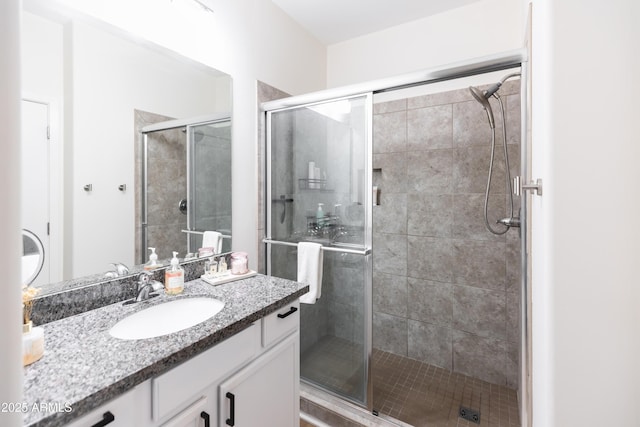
{"type": "Point", "coordinates": [333, 21]}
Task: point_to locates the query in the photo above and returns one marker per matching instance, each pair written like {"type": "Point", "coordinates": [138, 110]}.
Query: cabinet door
{"type": "Point", "coordinates": [195, 415]}
{"type": "Point", "coordinates": [266, 392]}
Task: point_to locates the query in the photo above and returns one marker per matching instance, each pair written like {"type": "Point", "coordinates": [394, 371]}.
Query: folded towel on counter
{"type": "Point", "coordinates": [310, 270]}
{"type": "Point", "coordinates": [212, 239]}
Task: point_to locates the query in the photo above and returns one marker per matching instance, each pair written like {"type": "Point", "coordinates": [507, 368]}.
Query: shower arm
{"type": "Point", "coordinates": [491, 91]}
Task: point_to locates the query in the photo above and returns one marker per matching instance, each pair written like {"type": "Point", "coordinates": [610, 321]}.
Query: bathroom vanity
{"type": "Point", "coordinates": [238, 368]}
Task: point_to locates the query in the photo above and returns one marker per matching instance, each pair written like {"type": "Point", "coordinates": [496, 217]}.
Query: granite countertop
{"type": "Point", "coordinates": [84, 367]}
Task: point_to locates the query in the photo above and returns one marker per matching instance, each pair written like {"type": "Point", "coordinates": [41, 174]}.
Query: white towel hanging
{"type": "Point", "coordinates": [310, 270]}
{"type": "Point", "coordinates": [212, 239]}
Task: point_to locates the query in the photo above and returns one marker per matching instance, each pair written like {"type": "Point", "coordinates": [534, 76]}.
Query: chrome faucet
{"type": "Point", "coordinates": [119, 269]}
{"type": "Point", "coordinates": [146, 286]}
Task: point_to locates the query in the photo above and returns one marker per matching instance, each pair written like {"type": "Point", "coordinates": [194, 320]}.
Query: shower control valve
{"type": "Point", "coordinates": [519, 188]}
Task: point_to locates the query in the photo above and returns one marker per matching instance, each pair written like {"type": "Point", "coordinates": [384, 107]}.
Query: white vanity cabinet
{"type": "Point", "coordinates": [250, 379]}
{"type": "Point", "coordinates": [258, 367]}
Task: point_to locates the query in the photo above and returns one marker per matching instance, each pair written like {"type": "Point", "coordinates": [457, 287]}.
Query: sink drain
{"type": "Point", "coordinates": [469, 414]}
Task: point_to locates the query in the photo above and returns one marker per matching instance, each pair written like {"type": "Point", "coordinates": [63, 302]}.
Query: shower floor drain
{"type": "Point", "coordinates": [469, 414]}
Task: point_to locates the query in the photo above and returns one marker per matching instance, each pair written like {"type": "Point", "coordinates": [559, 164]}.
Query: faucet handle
{"type": "Point", "coordinates": [121, 268]}
{"type": "Point", "coordinates": [144, 278]}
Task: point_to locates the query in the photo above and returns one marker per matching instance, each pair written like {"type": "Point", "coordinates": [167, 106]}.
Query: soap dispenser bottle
{"type": "Point", "coordinates": [153, 263]}
{"type": "Point", "coordinates": [320, 215]}
{"type": "Point", "coordinates": [222, 266]}
{"type": "Point", "coordinates": [174, 277]}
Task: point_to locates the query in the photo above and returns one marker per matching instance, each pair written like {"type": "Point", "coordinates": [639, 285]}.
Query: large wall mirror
{"type": "Point", "coordinates": [90, 95]}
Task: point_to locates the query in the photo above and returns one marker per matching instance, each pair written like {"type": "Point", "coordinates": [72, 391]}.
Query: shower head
{"type": "Point", "coordinates": [483, 99]}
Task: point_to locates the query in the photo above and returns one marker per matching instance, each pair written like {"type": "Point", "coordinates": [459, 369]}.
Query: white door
{"type": "Point", "coordinates": [35, 178]}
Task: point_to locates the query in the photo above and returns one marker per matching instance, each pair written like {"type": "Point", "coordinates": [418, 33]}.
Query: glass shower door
{"type": "Point", "coordinates": [185, 185]}
{"type": "Point", "coordinates": [209, 182]}
{"type": "Point", "coordinates": [318, 190]}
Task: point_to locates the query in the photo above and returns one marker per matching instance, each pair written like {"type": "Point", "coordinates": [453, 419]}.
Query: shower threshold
{"type": "Point", "coordinates": [332, 410]}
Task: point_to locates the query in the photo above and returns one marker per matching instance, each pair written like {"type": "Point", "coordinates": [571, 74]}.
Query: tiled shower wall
{"type": "Point", "coordinates": [445, 290]}
{"type": "Point", "coordinates": [166, 187]}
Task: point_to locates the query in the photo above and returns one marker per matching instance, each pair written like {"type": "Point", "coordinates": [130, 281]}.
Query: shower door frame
{"type": "Point", "coordinates": [159, 127]}
{"type": "Point", "coordinates": [363, 250]}
{"type": "Point", "coordinates": [496, 62]}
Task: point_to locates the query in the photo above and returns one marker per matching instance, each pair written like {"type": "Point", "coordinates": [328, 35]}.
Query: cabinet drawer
{"type": "Point", "coordinates": [176, 388]}
{"type": "Point", "coordinates": [121, 411]}
{"type": "Point", "coordinates": [280, 323]}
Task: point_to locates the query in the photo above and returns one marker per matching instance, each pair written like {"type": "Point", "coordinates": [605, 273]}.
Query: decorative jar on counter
{"type": "Point", "coordinates": [239, 263]}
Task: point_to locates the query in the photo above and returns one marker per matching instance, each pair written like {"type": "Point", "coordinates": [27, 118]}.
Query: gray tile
{"type": "Point", "coordinates": [514, 159]}
{"type": "Point", "coordinates": [440, 98]}
{"type": "Point", "coordinates": [513, 258]}
{"type": "Point", "coordinates": [390, 106]}
{"type": "Point", "coordinates": [430, 302]}
{"type": "Point", "coordinates": [479, 357]}
{"type": "Point", "coordinates": [346, 284]}
{"type": "Point", "coordinates": [479, 311]}
{"type": "Point", "coordinates": [390, 294]}
{"type": "Point", "coordinates": [390, 254]}
{"type": "Point", "coordinates": [341, 323]}
{"type": "Point", "coordinates": [471, 169]}
{"type": "Point", "coordinates": [390, 132]}
{"type": "Point", "coordinates": [430, 343]}
{"type": "Point", "coordinates": [390, 216]}
{"type": "Point", "coordinates": [430, 171]}
{"type": "Point", "coordinates": [471, 126]}
{"type": "Point", "coordinates": [512, 368]}
{"type": "Point", "coordinates": [393, 172]}
{"type": "Point", "coordinates": [468, 216]}
{"type": "Point", "coordinates": [390, 333]}
{"type": "Point", "coordinates": [513, 317]}
{"type": "Point", "coordinates": [430, 258]}
{"type": "Point", "coordinates": [430, 214]}
{"type": "Point", "coordinates": [513, 118]}
{"type": "Point", "coordinates": [480, 264]}
{"type": "Point", "coordinates": [429, 128]}
{"type": "Point", "coordinates": [510, 87]}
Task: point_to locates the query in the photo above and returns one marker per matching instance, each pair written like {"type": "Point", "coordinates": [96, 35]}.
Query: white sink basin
{"type": "Point", "coordinates": [166, 318]}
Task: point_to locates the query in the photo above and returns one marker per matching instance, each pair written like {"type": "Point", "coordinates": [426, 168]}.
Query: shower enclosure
{"type": "Point", "coordinates": [318, 188]}
{"type": "Point", "coordinates": [185, 185]}
{"type": "Point", "coordinates": [412, 279]}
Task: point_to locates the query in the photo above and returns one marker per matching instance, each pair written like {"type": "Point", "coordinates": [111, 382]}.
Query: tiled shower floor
{"type": "Point", "coordinates": [411, 391]}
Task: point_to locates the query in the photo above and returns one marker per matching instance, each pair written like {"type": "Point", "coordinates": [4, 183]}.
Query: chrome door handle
{"type": "Point", "coordinates": [519, 188]}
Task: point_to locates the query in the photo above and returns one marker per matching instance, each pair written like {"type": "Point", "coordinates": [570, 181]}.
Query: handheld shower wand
{"type": "Point", "coordinates": [483, 98]}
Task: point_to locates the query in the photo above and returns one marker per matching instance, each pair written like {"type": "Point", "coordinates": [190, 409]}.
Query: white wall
{"type": "Point", "coordinates": [479, 29]}
{"type": "Point", "coordinates": [42, 80]}
{"type": "Point", "coordinates": [11, 248]}
{"type": "Point", "coordinates": [586, 288]}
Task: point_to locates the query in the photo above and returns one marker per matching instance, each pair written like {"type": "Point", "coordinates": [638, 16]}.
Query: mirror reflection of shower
{"type": "Point", "coordinates": [184, 185]}
{"type": "Point", "coordinates": [483, 98]}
